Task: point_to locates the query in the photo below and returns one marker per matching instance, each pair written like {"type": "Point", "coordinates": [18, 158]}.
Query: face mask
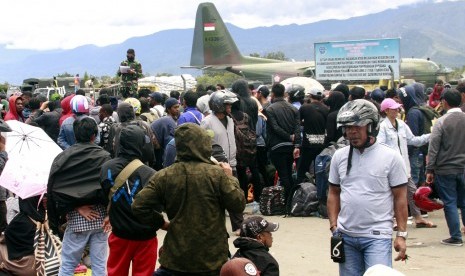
{"type": "Point", "coordinates": [130, 58]}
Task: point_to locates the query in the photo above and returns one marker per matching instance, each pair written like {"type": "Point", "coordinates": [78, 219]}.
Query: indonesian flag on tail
{"type": "Point", "coordinates": [208, 27]}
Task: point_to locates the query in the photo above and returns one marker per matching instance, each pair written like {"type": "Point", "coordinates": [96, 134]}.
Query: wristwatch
{"type": "Point", "coordinates": [402, 234]}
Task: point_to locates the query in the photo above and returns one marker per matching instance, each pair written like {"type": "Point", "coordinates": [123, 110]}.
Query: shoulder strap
{"type": "Point", "coordinates": [194, 117]}
{"type": "Point", "coordinates": [124, 175]}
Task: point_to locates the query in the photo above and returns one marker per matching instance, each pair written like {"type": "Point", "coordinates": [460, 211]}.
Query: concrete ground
{"type": "Point", "coordinates": [301, 247]}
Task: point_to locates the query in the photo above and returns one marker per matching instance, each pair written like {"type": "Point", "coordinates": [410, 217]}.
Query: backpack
{"type": "Point", "coordinates": [112, 146]}
{"type": "Point", "coordinates": [246, 141]}
{"type": "Point", "coordinates": [429, 115]}
{"type": "Point", "coordinates": [322, 165]}
{"type": "Point", "coordinates": [272, 201]}
{"type": "Point", "coordinates": [304, 200]}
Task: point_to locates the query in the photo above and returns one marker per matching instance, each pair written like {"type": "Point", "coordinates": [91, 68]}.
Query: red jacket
{"type": "Point", "coordinates": [435, 97]}
{"type": "Point", "coordinates": [12, 114]}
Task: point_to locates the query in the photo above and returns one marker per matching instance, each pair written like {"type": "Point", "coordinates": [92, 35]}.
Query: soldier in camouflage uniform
{"type": "Point", "coordinates": [129, 79]}
{"type": "Point", "coordinates": [194, 192]}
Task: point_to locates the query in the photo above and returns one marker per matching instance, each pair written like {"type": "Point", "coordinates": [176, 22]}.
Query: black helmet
{"type": "Point", "coordinates": [219, 98]}
{"type": "Point", "coordinates": [359, 113]}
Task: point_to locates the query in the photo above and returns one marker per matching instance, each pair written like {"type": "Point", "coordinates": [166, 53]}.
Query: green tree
{"type": "Point", "coordinates": [457, 73]}
{"type": "Point", "coordinates": [164, 75]}
{"type": "Point", "coordinates": [215, 77]}
{"type": "Point", "coordinates": [272, 55]}
{"type": "Point", "coordinates": [64, 75]}
{"type": "Point", "coordinates": [4, 87]}
{"type": "Point", "coordinates": [276, 55]}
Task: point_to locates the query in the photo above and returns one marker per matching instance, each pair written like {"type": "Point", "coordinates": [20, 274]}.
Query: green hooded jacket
{"type": "Point", "coordinates": [194, 193]}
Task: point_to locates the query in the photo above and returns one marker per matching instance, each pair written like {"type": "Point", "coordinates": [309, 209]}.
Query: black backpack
{"type": "Point", "coordinates": [272, 201]}
{"type": "Point", "coordinates": [246, 141]}
{"type": "Point", "coordinates": [148, 149]}
{"type": "Point", "coordinates": [322, 164]}
{"type": "Point", "coordinates": [304, 201]}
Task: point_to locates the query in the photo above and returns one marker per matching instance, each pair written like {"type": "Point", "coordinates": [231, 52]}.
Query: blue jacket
{"type": "Point", "coordinates": [190, 115]}
{"type": "Point", "coordinates": [66, 136]}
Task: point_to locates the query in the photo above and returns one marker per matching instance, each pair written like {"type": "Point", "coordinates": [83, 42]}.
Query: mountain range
{"type": "Point", "coordinates": [428, 29]}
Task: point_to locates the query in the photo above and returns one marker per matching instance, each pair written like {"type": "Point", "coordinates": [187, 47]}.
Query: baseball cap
{"type": "Point", "coordinates": [316, 91]}
{"type": "Point", "coordinates": [389, 104]}
{"type": "Point", "coordinates": [263, 89]}
{"type": "Point", "coordinates": [157, 96]}
{"type": "Point", "coordinates": [255, 225]}
{"type": "Point", "coordinates": [170, 102]}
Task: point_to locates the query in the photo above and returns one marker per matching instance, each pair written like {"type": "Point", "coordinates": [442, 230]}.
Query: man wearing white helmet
{"type": "Point", "coordinates": [368, 187]}
{"type": "Point", "coordinates": [222, 126]}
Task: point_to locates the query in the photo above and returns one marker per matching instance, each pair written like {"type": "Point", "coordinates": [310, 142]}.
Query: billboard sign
{"type": "Point", "coordinates": [357, 59]}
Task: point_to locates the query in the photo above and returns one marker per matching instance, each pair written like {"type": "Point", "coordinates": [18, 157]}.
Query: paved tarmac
{"type": "Point", "coordinates": [301, 247]}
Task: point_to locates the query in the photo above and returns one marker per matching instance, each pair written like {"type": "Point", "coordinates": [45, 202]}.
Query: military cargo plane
{"type": "Point", "coordinates": [214, 49]}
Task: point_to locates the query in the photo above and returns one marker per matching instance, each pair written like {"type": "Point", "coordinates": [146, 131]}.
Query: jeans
{"type": "Point", "coordinates": [417, 169]}
{"type": "Point", "coordinates": [73, 247]}
{"type": "Point", "coordinates": [362, 253]}
{"type": "Point", "coordinates": [451, 190]}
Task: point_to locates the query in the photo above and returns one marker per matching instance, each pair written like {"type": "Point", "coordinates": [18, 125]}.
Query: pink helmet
{"type": "Point", "coordinates": [424, 202]}
{"type": "Point", "coordinates": [79, 104]}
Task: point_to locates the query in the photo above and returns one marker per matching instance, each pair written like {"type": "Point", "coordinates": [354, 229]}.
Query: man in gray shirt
{"type": "Point", "coordinates": [367, 189]}
{"type": "Point", "coordinates": [446, 164]}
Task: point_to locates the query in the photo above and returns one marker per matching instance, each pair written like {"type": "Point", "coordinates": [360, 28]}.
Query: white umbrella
{"type": "Point", "coordinates": [30, 155]}
{"type": "Point", "coordinates": [307, 83]}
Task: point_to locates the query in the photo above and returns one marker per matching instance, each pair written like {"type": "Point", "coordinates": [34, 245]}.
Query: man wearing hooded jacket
{"type": "Point", "coordinates": [194, 193]}
{"type": "Point", "coordinates": [130, 240]}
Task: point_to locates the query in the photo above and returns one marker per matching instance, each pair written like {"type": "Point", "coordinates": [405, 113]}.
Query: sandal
{"type": "Point", "coordinates": [428, 224]}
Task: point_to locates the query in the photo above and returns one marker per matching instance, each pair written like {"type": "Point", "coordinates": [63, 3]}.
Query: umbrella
{"type": "Point", "coordinates": [30, 155]}
{"type": "Point", "coordinates": [307, 83]}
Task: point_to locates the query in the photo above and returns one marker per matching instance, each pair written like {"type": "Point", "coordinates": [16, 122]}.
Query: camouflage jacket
{"type": "Point", "coordinates": [194, 193]}
{"type": "Point", "coordinates": [127, 79]}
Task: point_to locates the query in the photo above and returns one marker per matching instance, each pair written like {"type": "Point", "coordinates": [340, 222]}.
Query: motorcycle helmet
{"type": "Point", "coordinates": [423, 202]}
{"type": "Point", "coordinates": [219, 98]}
{"type": "Point", "coordinates": [79, 104]}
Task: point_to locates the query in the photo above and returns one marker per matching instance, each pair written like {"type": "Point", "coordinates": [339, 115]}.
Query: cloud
{"type": "Point", "coordinates": [57, 24]}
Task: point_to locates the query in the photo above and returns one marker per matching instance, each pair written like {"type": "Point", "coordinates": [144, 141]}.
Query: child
{"type": "Point", "coordinates": [254, 243]}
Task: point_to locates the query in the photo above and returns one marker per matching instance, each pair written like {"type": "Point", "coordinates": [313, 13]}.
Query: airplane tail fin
{"type": "Point", "coordinates": [212, 44]}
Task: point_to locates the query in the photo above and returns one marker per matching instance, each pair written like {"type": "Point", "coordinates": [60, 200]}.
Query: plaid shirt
{"type": "Point", "coordinates": [78, 223]}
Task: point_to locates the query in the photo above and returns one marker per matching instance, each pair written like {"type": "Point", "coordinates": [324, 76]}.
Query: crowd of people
{"type": "Point", "coordinates": [144, 162]}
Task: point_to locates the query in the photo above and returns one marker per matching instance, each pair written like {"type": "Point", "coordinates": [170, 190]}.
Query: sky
{"type": "Point", "coordinates": [64, 24]}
